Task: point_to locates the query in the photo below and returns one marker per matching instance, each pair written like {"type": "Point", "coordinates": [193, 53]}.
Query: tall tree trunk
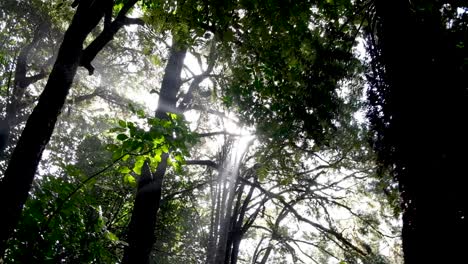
{"type": "Point", "coordinates": [142, 225]}
{"type": "Point", "coordinates": [239, 228]}
{"type": "Point", "coordinates": [426, 102]}
{"type": "Point", "coordinates": [235, 228]}
{"type": "Point", "coordinates": [210, 251]}
{"type": "Point", "coordinates": [267, 253]}
{"type": "Point", "coordinates": [226, 216]}
{"type": "Point", "coordinates": [22, 167]}
{"type": "Point", "coordinates": [20, 83]}
{"type": "Point", "coordinates": [19, 175]}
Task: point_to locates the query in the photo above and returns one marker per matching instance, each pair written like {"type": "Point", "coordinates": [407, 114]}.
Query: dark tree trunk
{"type": "Point", "coordinates": [40, 125]}
{"type": "Point", "coordinates": [22, 167]}
{"type": "Point", "coordinates": [426, 139]}
{"type": "Point", "coordinates": [214, 219]}
{"type": "Point", "coordinates": [142, 225]}
{"type": "Point", "coordinates": [225, 222]}
{"type": "Point", "coordinates": [20, 84]}
{"type": "Point", "coordinates": [239, 227]}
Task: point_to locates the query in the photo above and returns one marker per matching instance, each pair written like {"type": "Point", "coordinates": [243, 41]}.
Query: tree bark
{"type": "Point", "coordinates": [425, 104]}
{"type": "Point", "coordinates": [20, 83]}
{"type": "Point", "coordinates": [22, 167]}
{"type": "Point", "coordinates": [142, 225]}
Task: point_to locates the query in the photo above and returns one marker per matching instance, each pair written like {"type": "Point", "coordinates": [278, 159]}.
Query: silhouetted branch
{"type": "Point", "coordinates": [107, 35]}
{"type": "Point", "coordinates": [319, 227]}
{"type": "Point", "coordinates": [217, 133]}
{"type": "Point", "coordinates": [188, 98]}
{"type": "Point", "coordinates": [208, 163]}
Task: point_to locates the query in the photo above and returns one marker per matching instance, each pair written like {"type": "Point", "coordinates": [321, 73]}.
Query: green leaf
{"type": "Point", "coordinates": [166, 124]}
{"type": "Point", "coordinates": [157, 155]}
{"type": "Point", "coordinates": [172, 116]}
{"type": "Point", "coordinates": [169, 161]}
{"type": "Point", "coordinates": [227, 101]}
{"type": "Point", "coordinates": [140, 160]}
{"type": "Point", "coordinates": [129, 179]}
{"type": "Point", "coordinates": [122, 137]}
{"type": "Point", "coordinates": [165, 148]}
{"type": "Point", "coordinates": [141, 113]}
{"type": "Point", "coordinates": [116, 155]}
{"type": "Point", "coordinates": [117, 129]}
{"type": "Point", "coordinates": [178, 157]}
{"type": "Point", "coordinates": [122, 123]}
{"type": "Point", "coordinates": [111, 236]}
{"type": "Point", "coordinates": [131, 108]}
{"type": "Point", "coordinates": [155, 60]}
{"type": "Point", "coordinates": [124, 169]}
{"type": "Point", "coordinates": [125, 158]}
{"type": "Point", "coordinates": [159, 140]}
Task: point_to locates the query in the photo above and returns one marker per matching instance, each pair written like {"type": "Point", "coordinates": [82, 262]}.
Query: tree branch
{"type": "Point", "coordinates": [208, 163]}
{"type": "Point", "coordinates": [188, 98]}
{"type": "Point", "coordinates": [210, 134]}
{"type": "Point", "coordinates": [214, 112]}
{"type": "Point", "coordinates": [107, 35]}
{"type": "Point", "coordinates": [133, 21]}
{"type": "Point", "coordinates": [35, 78]}
{"type": "Point", "coordinates": [172, 195]}
{"type": "Point", "coordinates": [303, 219]}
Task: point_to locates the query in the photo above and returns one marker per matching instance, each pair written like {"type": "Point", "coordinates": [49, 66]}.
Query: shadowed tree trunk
{"type": "Point", "coordinates": [142, 225]}
{"type": "Point", "coordinates": [20, 83]}
{"type": "Point", "coordinates": [22, 167]}
{"type": "Point", "coordinates": [229, 217]}
{"type": "Point", "coordinates": [420, 132]}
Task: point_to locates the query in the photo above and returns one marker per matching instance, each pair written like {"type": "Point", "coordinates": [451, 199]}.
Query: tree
{"type": "Point", "coordinates": [417, 99]}
{"type": "Point", "coordinates": [287, 73]}
{"type": "Point", "coordinates": [19, 175]}
{"type": "Point", "coordinates": [77, 217]}
{"type": "Point", "coordinates": [22, 66]}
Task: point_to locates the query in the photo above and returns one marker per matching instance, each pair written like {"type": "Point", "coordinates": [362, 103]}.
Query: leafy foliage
{"type": "Point", "coordinates": [164, 136]}
{"type": "Point", "coordinates": [306, 189]}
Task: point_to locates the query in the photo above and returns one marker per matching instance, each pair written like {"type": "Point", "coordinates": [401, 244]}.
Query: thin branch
{"type": "Point", "coordinates": [208, 163]}
{"type": "Point", "coordinates": [210, 134]}
{"type": "Point", "coordinates": [133, 21]}
{"type": "Point", "coordinates": [172, 195]}
{"type": "Point", "coordinates": [303, 219]}
{"type": "Point", "coordinates": [214, 112]}
{"type": "Point", "coordinates": [81, 185]}
{"type": "Point", "coordinates": [188, 98]}
{"type": "Point", "coordinates": [106, 35]}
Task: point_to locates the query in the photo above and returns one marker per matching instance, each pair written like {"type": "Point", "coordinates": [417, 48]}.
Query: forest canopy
{"type": "Point", "coordinates": [159, 131]}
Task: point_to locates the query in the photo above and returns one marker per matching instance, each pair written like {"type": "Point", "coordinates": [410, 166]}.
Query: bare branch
{"type": "Point", "coordinates": [133, 21]}
{"type": "Point", "coordinates": [188, 98]}
{"type": "Point", "coordinates": [172, 195]}
{"type": "Point", "coordinates": [210, 134]}
{"type": "Point", "coordinates": [208, 163]}
{"type": "Point", "coordinates": [106, 35]}
{"type": "Point", "coordinates": [214, 112]}
{"type": "Point", "coordinates": [319, 227]}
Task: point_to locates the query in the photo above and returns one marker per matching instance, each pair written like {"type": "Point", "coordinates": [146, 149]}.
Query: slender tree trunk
{"type": "Point", "coordinates": [267, 253]}
{"type": "Point", "coordinates": [235, 228]}
{"type": "Point", "coordinates": [143, 222]}
{"type": "Point", "coordinates": [19, 175]}
{"type": "Point", "coordinates": [20, 83]}
{"type": "Point", "coordinates": [213, 224]}
{"type": "Point", "coordinates": [239, 229]}
{"type": "Point", "coordinates": [226, 221]}
{"type": "Point", "coordinates": [257, 252]}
